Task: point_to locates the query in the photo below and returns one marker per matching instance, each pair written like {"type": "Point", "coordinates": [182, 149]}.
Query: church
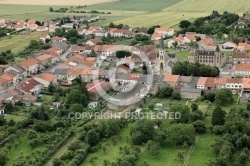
{"type": "Point", "coordinates": [164, 61]}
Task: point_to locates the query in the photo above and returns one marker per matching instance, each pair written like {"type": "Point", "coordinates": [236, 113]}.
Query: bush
{"type": "Point", "coordinates": [218, 130]}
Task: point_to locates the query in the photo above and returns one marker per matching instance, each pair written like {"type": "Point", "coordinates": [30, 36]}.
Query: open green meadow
{"type": "Point", "coordinates": [17, 42]}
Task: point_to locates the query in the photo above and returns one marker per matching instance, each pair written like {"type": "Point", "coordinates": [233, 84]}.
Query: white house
{"type": "Point", "coordinates": [165, 31]}
{"type": "Point", "coordinates": [241, 70]}
{"type": "Point", "coordinates": [31, 66]}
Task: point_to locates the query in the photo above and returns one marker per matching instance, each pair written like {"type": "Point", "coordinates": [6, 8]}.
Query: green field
{"type": "Point", "coordinates": [17, 42]}
{"type": "Point", "coordinates": [166, 13]}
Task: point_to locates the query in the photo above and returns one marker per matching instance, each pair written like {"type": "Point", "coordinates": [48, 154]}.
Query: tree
{"type": "Point", "coordinates": [153, 148]}
{"type": "Point", "coordinates": [165, 92]}
{"type": "Point", "coordinates": [92, 137]}
{"type": "Point", "coordinates": [51, 87]}
{"type": "Point", "coordinates": [218, 116]}
{"type": "Point", "coordinates": [71, 33]}
{"type": "Point", "coordinates": [2, 120]}
{"type": "Point", "coordinates": [51, 9]}
{"type": "Point", "coordinates": [248, 106]}
{"type": "Point", "coordinates": [3, 158]}
{"type": "Point", "coordinates": [199, 126]}
{"type": "Point", "coordinates": [183, 110]}
{"type": "Point", "coordinates": [142, 131]}
{"type": "Point", "coordinates": [111, 25]}
{"type": "Point", "coordinates": [184, 24]}
{"type": "Point", "coordinates": [194, 106]}
{"type": "Point", "coordinates": [123, 53]}
{"type": "Point", "coordinates": [152, 29]}
{"type": "Point", "coordinates": [224, 97]}
{"type": "Point", "coordinates": [76, 96]}
{"type": "Point", "coordinates": [58, 32]}
{"type": "Point", "coordinates": [176, 96]}
{"type": "Point", "coordinates": [244, 155]}
{"type": "Point", "coordinates": [178, 134]}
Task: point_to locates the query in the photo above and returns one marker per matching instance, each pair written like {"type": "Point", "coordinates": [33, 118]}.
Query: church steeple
{"type": "Point", "coordinates": [161, 43]}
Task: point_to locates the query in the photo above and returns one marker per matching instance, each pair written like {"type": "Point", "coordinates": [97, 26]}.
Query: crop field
{"type": "Point", "coordinates": [54, 2]}
{"type": "Point", "coordinates": [167, 13]}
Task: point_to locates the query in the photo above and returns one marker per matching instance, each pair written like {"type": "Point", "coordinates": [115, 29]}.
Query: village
{"type": "Point", "coordinates": [98, 65]}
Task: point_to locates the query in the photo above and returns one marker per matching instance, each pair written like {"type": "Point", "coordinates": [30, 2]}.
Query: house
{"type": "Point", "coordinates": [240, 24]}
{"type": "Point", "coordinates": [45, 79]}
{"type": "Point", "coordinates": [201, 82]}
{"type": "Point", "coordinates": [142, 31]}
{"type": "Point", "coordinates": [188, 93]}
{"type": "Point", "coordinates": [242, 70]}
{"type": "Point", "coordinates": [189, 38]}
{"type": "Point", "coordinates": [94, 41]}
{"type": "Point", "coordinates": [240, 57]}
{"type": "Point", "coordinates": [172, 80]}
{"type": "Point", "coordinates": [118, 33]}
{"type": "Point", "coordinates": [139, 59]}
{"type": "Point", "coordinates": [220, 82]}
{"type": "Point", "coordinates": [100, 33]}
{"type": "Point", "coordinates": [78, 58]}
{"type": "Point", "coordinates": [165, 31]}
{"type": "Point", "coordinates": [30, 86]}
{"type": "Point", "coordinates": [179, 41]}
{"type": "Point", "coordinates": [208, 42]}
{"type": "Point", "coordinates": [2, 21]}
{"type": "Point", "coordinates": [126, 28]}
{"type": "Point", "coordinates": [68, 25]}
{"type": "Point", "coordinates": [128, 34]}
{"type": "Point", "coordinates": [55, 49]}
{"type": "Point", "coordinates": [76, 49]}
{"type": "Point", "coordinates": [60, 73]}
{"type": "Point", "coordinates": [16, 70]}
{"type": "Point", "coordinates": [93, 29]}
{"type": "Point", "coordinates": [44, 37]}
{"type": "Point", "coordinates": [4, 84]}
{"type": "Point", "coordinates": [72, 74]}
{"type": "Point", "coordinates": [229, 45]}
{"type": "Point", "coordinates": [156, 36]}
{"type": "Point", "coordinates": [42, 29]}
{"type": "Point", "coordinates": [58, 39]}
{"type": "Point", "coordinates": [235, 84]}
{"type": "Point", "coordinates": [246, 16]}
{"type": "Point", "coordinates": [53, 28]}
{"type": "Point", "coordinates": [44, 60]}
{"type": "Point", "coordinates": [88, 64]}
{"type": "Point", "coordinates": [20, 26]}
{"type": "Point", "coordinates": [80, 31]}
{"type": "Point", "coordinates": [97, 89]}
{"type": "Point", "coordinates": [31, 66]}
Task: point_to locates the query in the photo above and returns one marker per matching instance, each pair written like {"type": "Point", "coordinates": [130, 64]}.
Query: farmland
{"type": "Point", "coordinates": [54, 2]}
{"type": "Point", "coordinates": [166, 13]}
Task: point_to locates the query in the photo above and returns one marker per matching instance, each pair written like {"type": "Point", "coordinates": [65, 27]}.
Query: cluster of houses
{"type": "Point", "coordinates": [23, 82]}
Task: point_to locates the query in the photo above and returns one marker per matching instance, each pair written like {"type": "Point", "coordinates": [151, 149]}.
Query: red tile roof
{"type": "Point", "coordinates": [28, 85]}
{"type": "Point", "coordinates": [28, 63]}
{"type": "Point", "coordinates": [202, 81]}
{"type": "Point", "coordinates": [242, 67]}
{"type": "Point", "coordinates": [43, 57]}
{"type": "Point", "coordinates": [171, 78]}
{"type": "Point", "coordinates": [47, 77]}
{"type": "Point", "coordinates": [96, 86]}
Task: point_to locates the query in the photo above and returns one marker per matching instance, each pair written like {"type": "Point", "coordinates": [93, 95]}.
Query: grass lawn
{"type": "Point", "coordinates": [182, 55]}
{"type": "Point", "coordinates": [168, 157]}
{"type": "Point", "coordinates": [14, 117]}
{"type": "Point", "coordinates": [18, 42]}
{"type": "Point", "coordinates": [47, 98]}
{"type": "Point", "coordinates": [202, 152]}
{"type": "Point", "coordinates": [112, 151]}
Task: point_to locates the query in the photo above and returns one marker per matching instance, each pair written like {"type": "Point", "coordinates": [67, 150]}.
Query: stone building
{"type": "Point", "coordinates": [212, 57]}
